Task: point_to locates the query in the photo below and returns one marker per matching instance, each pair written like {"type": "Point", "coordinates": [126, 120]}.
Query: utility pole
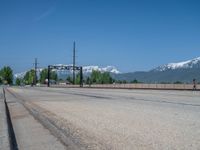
{"type": "Point", "coordinates": [35, 77]}
{"type": "Point", "coordinates": [74, 61]}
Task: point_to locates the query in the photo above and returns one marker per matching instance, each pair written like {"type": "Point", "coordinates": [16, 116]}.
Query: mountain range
{"type": "Point", "coordinates": [184, 71]}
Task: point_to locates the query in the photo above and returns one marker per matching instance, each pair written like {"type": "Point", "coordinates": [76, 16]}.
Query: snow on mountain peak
{"type": "Point", "coordinates": [20, 75]}
{"type": "Point", "coordinates": [111, 69]}
{"type": "Point", "coordinates": [180, 65]}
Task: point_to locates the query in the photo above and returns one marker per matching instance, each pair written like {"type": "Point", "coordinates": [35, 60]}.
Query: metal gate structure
{"type": "Point", "coordinates": [66, 67]}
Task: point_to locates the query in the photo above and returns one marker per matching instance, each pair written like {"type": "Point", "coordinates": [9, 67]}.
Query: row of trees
{"type": "Point", "coordinates": [28, 79]}
{"type": "Point", "coordinates": [6, 75]}
{"type": "Point", "coordinates": [96, 77]}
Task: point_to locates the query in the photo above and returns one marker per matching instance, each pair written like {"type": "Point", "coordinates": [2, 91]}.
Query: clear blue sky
{"type": "Point", "coordinates": [131, 35]}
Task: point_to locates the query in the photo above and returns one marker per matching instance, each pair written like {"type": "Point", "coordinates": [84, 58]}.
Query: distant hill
{"type": "Point", "coordinates": [182, 71]}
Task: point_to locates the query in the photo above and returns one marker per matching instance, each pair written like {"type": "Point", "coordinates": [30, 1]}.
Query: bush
{"type": "Point", "coordinates": [6, 75]}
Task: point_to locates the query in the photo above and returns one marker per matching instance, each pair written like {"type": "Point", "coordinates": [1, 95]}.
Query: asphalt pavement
{"type": "Point", "coordinates": [115, 118]}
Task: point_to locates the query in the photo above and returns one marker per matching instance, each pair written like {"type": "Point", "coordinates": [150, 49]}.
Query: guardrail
{"type": "Point", "coordinates": [136, 86]}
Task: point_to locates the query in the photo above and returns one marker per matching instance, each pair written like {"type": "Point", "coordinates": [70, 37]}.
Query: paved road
{"type": "Point", "coordinates": [120, 119]}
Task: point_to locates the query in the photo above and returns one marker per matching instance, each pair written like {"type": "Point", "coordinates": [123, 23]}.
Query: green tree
{"type": "Point", "coordinates": [77, 81]}
{"type": "Point", "coordinates": [6, 74]}
{"type": "Point", "coordinates": [134, 81]}
{"type": "Point", "coordinates": [119, 81]}
{"type": "Point", "coordinates": [44, 75]}
{"type": "Point", "coordinates": [54, 76]}
{"type": "Point", "coordinates": [106, 78]}
{"type": "Point", "coordinates": [178, 82]}
{"type": "Point", "coordinates": [124, 81]}
{"type": "Point", "coordinates": [96, 77]}
{"type": "Point", "coordinates": [1, 81]}
{"type": "Point", "coordinates": [101, 78]}
{"type": "Point", "coordinates": [60, 80]}
{"type": "Point", "coordinates": [29, 77]}
{"type": "Point", "coordinates": [88, 80]}
{"type": "Point", "coordinates": [18, 81]}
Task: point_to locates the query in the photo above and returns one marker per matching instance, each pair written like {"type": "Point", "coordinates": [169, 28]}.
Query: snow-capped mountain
{"type": "Point", "coordinates": [86, 70]}
{"type": "Point", "coordinates": [194, 63]}
{"type": "Point", "coordinates": [20, 75]}
{"type": "Point", "coordinates": [111, 69]}
{"type": "Point", "coordinates": [184, 72]}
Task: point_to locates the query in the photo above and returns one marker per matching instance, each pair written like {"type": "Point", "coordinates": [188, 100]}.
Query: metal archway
{"type": "Point", "coordinates": [65, 67]}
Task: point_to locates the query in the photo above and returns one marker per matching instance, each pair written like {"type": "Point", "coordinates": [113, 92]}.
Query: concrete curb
{"type": "Point", "coordinates": [4, 135]}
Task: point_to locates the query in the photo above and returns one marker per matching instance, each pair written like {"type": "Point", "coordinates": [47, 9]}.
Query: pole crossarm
{"type": "Point", "coordinates": [64, 67]}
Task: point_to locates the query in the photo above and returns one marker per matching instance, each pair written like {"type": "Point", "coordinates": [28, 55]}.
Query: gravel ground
{"type": "Point", "coordinates": [123, 119]}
